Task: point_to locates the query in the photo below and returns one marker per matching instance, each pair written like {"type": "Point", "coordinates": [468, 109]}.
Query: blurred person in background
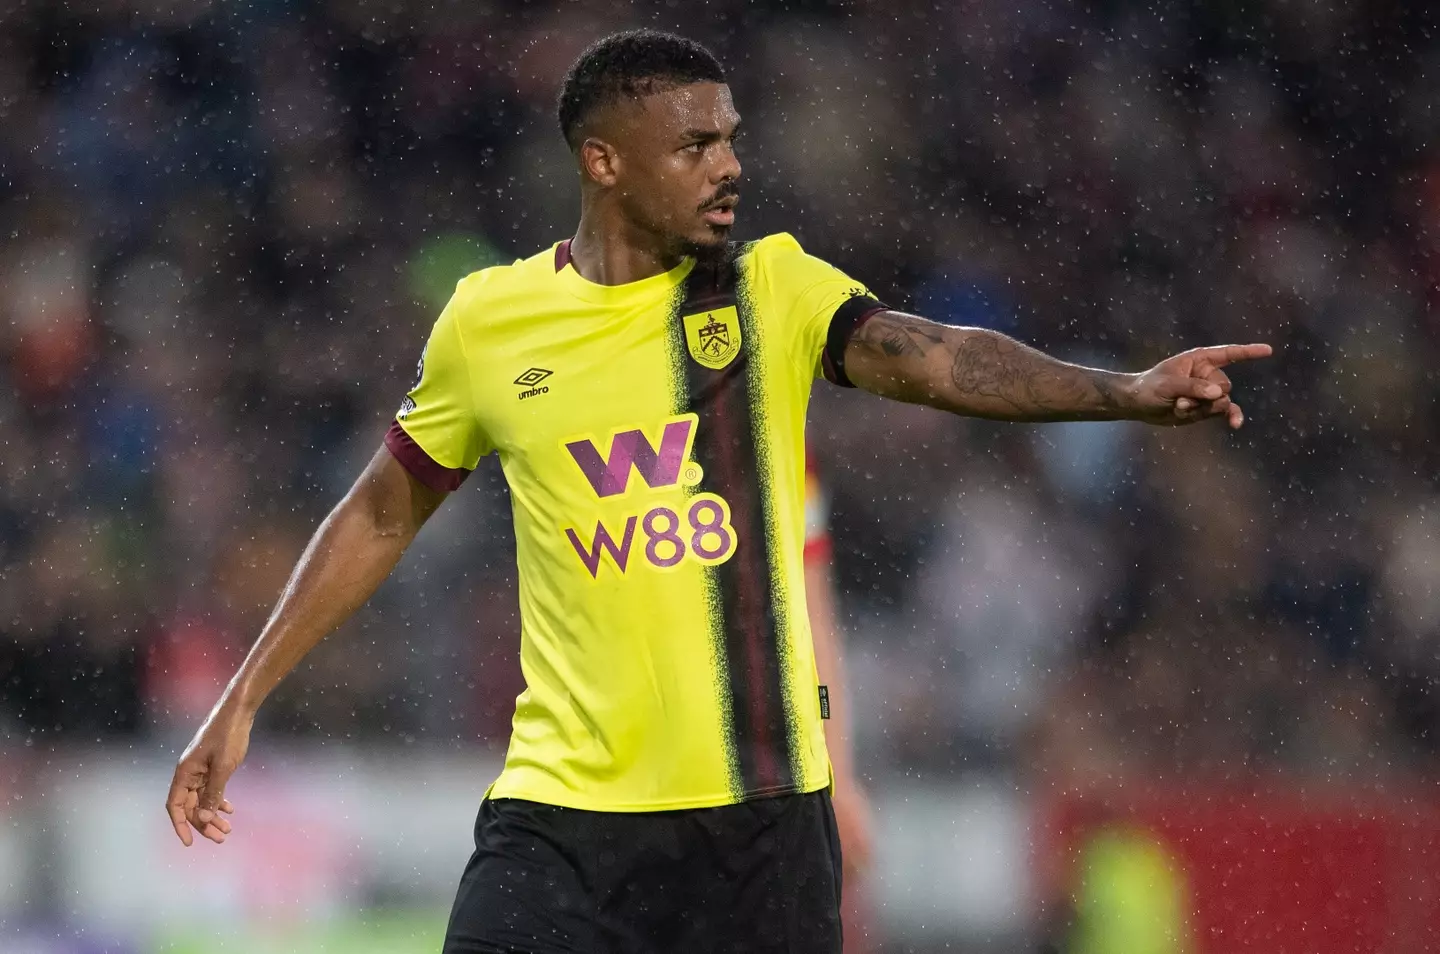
{"type": "Point", "coordinates": [1101, 180]}
{"type": "Point", "coordinates": [633, 811]}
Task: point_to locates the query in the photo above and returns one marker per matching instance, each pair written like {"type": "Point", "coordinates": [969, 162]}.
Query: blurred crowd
{"type": "Point", "coordinates": [228, 226]}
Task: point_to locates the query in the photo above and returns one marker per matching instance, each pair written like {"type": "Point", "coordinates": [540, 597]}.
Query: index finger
{"type": "Point", "coordinates": [1221, 355]}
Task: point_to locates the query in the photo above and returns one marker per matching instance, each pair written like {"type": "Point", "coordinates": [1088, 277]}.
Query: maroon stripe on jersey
{"type": "Point", "coordinates": [562, 255]}
{"type": "Point", "coordinates": [747, 598]}
{"type": "Point", "coordinates": [752, 613]}
{"type": "Point", "coordinates": [421, 465]}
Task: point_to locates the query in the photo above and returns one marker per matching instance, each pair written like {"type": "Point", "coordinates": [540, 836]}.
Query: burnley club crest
{"type": "Point", "coordinates": [713, 336]}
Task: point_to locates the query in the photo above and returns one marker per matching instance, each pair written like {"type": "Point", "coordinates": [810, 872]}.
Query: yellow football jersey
{"type": "Point", "coordinates": [652, 435]}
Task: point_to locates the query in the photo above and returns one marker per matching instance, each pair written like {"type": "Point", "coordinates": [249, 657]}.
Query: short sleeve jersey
{"type": "Point", "coordinates": [652, 436]}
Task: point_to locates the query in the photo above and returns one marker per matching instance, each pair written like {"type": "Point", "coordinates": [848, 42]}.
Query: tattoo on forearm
{"type": "Point", "coordinates": [990, 375]}
{"type": "Point", "coordinates": [1104, 387]}
{"type": "Point", "coordinates": [895, 337]}
{"type": "Point", "coordinates": [989, 365]}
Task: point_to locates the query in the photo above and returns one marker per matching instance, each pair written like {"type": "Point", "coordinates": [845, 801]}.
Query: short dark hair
{"type": "Point", "coordinates": [630, 64]}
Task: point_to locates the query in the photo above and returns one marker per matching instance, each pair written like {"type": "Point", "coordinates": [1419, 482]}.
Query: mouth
{"type": "Point", "coordinates": [722, 212]}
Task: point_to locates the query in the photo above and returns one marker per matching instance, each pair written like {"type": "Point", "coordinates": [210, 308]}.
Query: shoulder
{"type": "Point", "coordinates": [498, 279]}
{"type": "Point", "coordinates": [778, 245]}
{"type": "Point", "coordinates": [779, 256]}
{"type": "Point", "coordinates": [778, 264]}
{"type": "Point", "coordinates": [489, 290]}
{"type": "Point", "coordinates": [771, 262]}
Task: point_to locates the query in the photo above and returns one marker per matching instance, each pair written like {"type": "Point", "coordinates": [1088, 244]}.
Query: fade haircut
{"type": "Point", "coordinates": [629, 65]}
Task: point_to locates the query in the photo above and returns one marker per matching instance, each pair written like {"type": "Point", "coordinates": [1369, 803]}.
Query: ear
{"type": "Point", "coordinates": [599, 161]}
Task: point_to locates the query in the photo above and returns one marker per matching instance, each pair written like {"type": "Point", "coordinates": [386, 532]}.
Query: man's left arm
{"type": "Point", "coordinates": [982, 373]}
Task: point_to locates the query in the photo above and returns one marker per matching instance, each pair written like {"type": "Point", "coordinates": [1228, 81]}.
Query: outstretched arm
{"type": "Point", "coordinates": [351, 553]}
{"type": "Point", "coordinates": [981, 373]}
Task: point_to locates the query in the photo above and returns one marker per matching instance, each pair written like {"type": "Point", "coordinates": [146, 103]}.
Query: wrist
{"type": "Point", "coordinates": [243, 700]}
{"type": "Point", "coordinates": [1125, 394]}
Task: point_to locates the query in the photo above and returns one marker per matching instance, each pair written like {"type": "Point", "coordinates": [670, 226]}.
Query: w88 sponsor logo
{"type": "Point", "coordinates": [699, 530]}
{"type": "Point", "coordinates": [703, 534]}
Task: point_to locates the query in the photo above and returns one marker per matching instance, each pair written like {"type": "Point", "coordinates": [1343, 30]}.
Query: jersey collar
{"type": "Point", "coordinates": [654, 286]}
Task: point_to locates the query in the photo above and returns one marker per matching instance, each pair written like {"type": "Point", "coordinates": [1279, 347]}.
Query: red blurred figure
{"type": "Point", "coordinates": [852, 804]}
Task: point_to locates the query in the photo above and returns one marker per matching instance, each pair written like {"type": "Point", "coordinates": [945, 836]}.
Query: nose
{"type": "Point", "coordinates": [727, 165]}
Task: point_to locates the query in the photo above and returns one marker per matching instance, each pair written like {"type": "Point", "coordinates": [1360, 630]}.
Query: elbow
{"type": "Point", "coordinates": [375, 515]}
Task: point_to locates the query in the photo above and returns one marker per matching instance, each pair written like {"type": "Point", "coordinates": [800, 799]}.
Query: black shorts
{"type": "Point", "coordinates": [761, 877]}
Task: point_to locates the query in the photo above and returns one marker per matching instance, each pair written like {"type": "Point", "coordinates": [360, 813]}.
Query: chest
{"type": "Point", "coordinates": [548, 384]}
{"type": "Point", "coordinates": [543, 381]}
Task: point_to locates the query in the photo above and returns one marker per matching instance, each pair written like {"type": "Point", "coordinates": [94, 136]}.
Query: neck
{"type": "Point", "coordinates": [607, 250]}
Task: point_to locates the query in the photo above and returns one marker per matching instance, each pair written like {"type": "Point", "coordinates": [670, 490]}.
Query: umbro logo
{"type": "Point", "coordinates": [530, 380]}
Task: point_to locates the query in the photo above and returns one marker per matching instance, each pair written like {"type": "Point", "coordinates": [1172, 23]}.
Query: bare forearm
{"type": "Point", "coordinates": [347, 559]}
{"type": "Point", "coordinates": [997, 377]}
{"type": "Point", "coordinates": [978, 373]}
{"type": "Point", "coordinates": [343, 565]}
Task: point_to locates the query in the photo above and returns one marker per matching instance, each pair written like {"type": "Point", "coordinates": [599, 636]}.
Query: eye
{"type": "Point", "coordinates": [694, 148]}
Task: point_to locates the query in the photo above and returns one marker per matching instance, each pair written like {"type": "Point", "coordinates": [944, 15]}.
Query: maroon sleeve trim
{"type": "Point", "coordinates": [843, 324]}
{"type": "Point", "coordinates": [421, 465]}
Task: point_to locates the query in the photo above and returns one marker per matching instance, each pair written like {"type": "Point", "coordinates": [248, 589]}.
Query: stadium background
{"type": "Point", "coordinates": [1112, 685]}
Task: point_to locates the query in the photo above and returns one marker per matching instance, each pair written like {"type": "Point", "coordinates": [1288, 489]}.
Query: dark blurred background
{"type": "Point", "coordinates": [228, 226]}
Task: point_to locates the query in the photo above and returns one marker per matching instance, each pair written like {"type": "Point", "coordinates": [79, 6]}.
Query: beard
{"type": "Point", "coordinates": [704, 252]}
{"type": "Point", "coordinates": [718, 242]}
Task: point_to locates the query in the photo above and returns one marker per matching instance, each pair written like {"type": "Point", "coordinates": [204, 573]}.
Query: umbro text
{"type": "Point", "coordinates": [530, 380]}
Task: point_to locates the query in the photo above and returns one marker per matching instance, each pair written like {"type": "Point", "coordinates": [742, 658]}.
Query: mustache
{"type": "Point", "coordinates": [726, 190]}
